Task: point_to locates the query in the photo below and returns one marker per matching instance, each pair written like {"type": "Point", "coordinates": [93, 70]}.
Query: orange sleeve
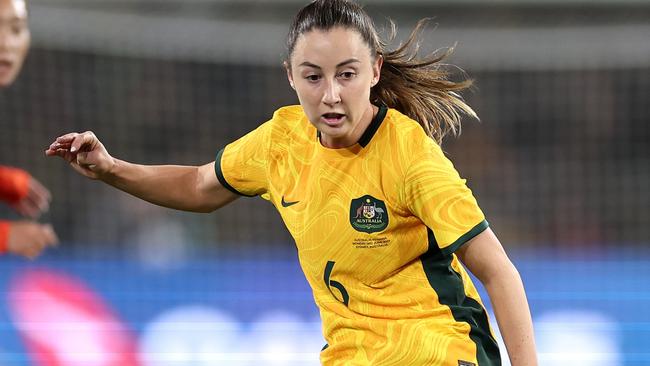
{"type": "Point", "coordinates": [4, 236]}
{"type": "Point", "coordinates": [14, 184]}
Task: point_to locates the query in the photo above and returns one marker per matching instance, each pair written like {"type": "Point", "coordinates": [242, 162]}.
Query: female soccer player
{"type": "Point", "coordinates": [381, 219]}
{"type": "Point", "coordinates": [17, 188]}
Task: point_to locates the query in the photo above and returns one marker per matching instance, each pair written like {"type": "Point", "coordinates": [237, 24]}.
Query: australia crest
{"type": "Point", "coordinates": [368, 214]}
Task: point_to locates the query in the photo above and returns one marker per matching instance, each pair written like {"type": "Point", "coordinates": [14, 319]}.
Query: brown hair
{"type": "Point", "coordinates": [418, 87]}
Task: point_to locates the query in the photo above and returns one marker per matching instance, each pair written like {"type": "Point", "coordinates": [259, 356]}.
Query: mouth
{"type": "Point", "coordinates": [5, 65]}
{"type": "Point", "coordinates": [333, 119]}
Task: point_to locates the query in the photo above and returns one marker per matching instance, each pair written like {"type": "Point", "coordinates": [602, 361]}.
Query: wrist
{"type": "Point", "coordinates": [14, 184]}
{"type": "Point", "coordinates": [4, 236]}
{"type": "Point", "coordinates": [112, 172]}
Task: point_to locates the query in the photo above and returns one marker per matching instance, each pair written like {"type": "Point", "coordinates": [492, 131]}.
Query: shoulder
{"type": "Point", "coordinates": [407, 134]}
{"type": "Point", "coordinates": [284, 121]}
{"type": "Point", "coordinates": [289, 113]}
{"type": "Point", "coordinates": [288, 127]}
{"type": "Point", "coordinates": [287, 120]}
{"type": "Point", "coordinates": [411, 147]}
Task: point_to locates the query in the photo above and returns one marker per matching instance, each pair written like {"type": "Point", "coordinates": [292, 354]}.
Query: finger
{"type": "Point", "coordinates": [28, 209]}
{"type": "Point", "coordinates": [82, 160]}
{"type": "Point", "coordinates": [67, 138]}
{"type": "Point", "coordinates": [43, 205]}
{"type": "Point", "coordinates": [51, 239]}
{"type": "Point", "coordinates": [67, 156]}
{"type": "Point", "coordinates": [59, 153]}
{"type": "Point", "coordinates": [61, 141]}
{"type": "Point", "coordinates": [38, 190]}
{"type": "Point", "coordinates": [33, 206]}
{"type": "Point", "coordinates": [56, 145]}
{"type": "Point", "coordinates": [62, 153]}
{"type": "Point", "coordinates": [39, 193]}
{"type": "Point", "coordinates": [84, 170]}
{"type": "Point", "coordinates": [85, 139]}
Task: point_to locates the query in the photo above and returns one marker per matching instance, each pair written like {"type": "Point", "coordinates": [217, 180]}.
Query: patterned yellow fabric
{"type": "Point", "coordinates": [376, 225]}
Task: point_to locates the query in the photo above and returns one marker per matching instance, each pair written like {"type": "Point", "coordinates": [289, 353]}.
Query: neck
{"type": "Point", "coordinates": [355, 134]}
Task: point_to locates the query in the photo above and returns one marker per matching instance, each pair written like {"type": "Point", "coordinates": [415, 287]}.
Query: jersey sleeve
{"type": "Point", "coordinates": [437, 195]}
{"type": "Point", "coordinates": [14, 184]}
{"type": "Point", "coordinates": [242, 165]}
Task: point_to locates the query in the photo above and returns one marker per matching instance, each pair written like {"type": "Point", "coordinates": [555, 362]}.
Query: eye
{"type": "Point", "coordinates": [312, 78]}
{"type": "Point", "coordinates": [18, 28]}
{"type": "Point", "coordinates": [347, 75]}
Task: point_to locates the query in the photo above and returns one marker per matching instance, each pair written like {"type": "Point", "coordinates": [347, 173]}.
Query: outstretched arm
{"type": "Point", "coordinates": [188, 188]}
{"type": "Point", "coordinates": [485, 258]}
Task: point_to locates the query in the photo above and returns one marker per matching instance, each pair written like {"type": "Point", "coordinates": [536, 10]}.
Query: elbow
{"type": "Point", "coordinates": [205, 209]}
{"type": "Point", "coordinates": [209, 205]}
{"type": "Point", "coordinates": [506, 273]}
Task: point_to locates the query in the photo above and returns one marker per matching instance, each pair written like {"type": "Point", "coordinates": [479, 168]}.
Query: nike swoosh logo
{"type": "Point", "coordinates": [288, 204]}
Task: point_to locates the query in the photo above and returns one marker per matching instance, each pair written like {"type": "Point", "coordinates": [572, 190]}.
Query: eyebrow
{"type": "Point", "coordinates": [346, 62]}
{"type": "Point", "coordinates": [13, 19]}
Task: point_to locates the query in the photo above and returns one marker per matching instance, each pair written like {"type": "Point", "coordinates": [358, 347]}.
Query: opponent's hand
{"type": "Point", "coordinates": [29, 239]}
{"type": "Point", "coordinates": [84, 152]}
{"type": "Point", "coordinates": [36, 202]}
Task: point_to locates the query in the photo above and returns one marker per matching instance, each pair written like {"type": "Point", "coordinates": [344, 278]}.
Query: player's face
{"type": "Point", "coordinates": [332, 72]}
{"type": "Point", "coordinates": [14, 39]}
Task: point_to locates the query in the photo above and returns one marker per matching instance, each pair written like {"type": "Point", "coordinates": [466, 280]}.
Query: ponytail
{"type": "Point", "coordinates": [421, 88]}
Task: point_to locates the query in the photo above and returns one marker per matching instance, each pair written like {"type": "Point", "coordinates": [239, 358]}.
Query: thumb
{"type": "Point", "coordinates": [82, 159]}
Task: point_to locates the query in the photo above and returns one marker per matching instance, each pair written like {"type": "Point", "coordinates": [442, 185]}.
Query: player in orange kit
{"type": "Point", "coordinates": [18, 188]}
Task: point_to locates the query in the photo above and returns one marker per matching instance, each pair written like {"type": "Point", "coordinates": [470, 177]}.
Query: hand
{"type": "Point", "coordinates": [36, 202]}
{"type": "Point", "coordinates": [84, 152]}
{"type": "Point", "coordinates": [29, 239]}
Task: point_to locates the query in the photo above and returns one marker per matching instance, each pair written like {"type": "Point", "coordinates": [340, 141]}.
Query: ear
{"type": "Point", "coordinates": [287, 67]}
{"type": "Point", "coordinates": [376, 70]}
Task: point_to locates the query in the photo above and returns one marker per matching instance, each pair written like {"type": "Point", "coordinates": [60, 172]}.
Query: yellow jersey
{"type": "Point", "coordinates": [376, 225]}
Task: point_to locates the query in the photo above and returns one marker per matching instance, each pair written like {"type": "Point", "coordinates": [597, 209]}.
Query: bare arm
{"type": "Point", "coordinates": [188, 188]}
{"type": "Point", "coordinates": [485, 258]}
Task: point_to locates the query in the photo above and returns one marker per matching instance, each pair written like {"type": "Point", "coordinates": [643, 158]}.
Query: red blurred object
{"type": "Point", "coordinates": [65, 323]}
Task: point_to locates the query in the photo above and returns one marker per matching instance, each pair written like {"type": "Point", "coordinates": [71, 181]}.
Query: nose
{"type": "Point", "coordinates": [332, 94]}
{"type": "Point", "coordinates": [5, 38]}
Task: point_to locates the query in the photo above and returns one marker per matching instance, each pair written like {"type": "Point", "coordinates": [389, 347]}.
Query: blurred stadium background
{"type": "Point", "coordinates": [560, 163]}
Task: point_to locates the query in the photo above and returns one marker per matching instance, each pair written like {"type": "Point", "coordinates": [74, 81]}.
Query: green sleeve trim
{"type": "Point", "coordinates": [448, 285]}
{"type": "Point", "coordinates": [222, 179]}
{"type": "Point", "coordinates": [466, 237]}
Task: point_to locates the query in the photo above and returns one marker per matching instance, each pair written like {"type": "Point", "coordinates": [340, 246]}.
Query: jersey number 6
{"type": "Point", "coordinates": [337, 285]}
